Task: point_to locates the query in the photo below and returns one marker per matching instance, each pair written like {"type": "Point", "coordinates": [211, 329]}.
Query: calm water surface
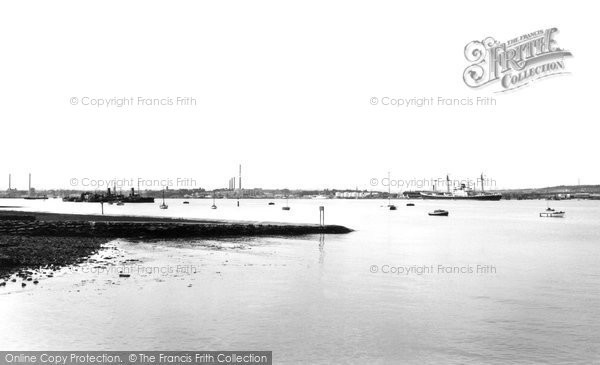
{"type": "Point", "coordinates": [334, 299]}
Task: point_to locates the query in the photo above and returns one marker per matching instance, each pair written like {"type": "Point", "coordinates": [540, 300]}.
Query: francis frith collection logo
{"type": "Point", "coordinates": [514, 63]}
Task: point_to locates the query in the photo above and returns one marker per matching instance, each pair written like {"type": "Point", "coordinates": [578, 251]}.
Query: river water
{"type": "Point", "coordinates": [491, 283]}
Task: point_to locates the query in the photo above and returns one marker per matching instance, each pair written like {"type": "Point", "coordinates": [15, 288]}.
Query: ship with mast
{"type": "Point", "coordinates": [463, 192]}
{"type": "Point", "coordinates": [110, 197]}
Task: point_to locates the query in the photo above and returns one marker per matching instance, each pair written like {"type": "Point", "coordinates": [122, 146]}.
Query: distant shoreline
{"type": "Point", "coordinates": [549, 192]}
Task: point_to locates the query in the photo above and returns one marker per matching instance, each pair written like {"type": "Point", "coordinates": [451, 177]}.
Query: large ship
{"type": "Point", "coordinates": [110, 197]}
{"type": "Point", "coordinates": [461, 193]}
{"type": "Point", "coordinates": [134, 197]}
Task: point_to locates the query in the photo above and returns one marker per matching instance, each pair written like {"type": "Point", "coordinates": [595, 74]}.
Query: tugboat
{"type": "Point", "coordinates": [271, 203]}
{"type": "Point", "coordinates": [410, 204]}
{"type": "Point", "coordinates": [163, 205]}
{"type": "Point", "coordinates": [186, 202]}
{"type": "Point", "coordinates": [439, 213]}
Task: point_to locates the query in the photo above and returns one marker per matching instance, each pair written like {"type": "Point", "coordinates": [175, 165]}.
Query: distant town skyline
{"type": "Point", "coordinates": [85, 183]}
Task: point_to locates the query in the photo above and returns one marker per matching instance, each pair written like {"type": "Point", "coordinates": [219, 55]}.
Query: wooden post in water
{"type": "Point", "coordinates": [102, 206]}
{"type": "Point", "coordinates": [321, 216]}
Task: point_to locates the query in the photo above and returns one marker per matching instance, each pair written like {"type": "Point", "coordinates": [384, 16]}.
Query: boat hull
{"type": "Point", "coordinates": [138, 200]}
{"type": "Point", "coordinates": [552, 214]}
{"type": "Point", "coordinates": [485, 197]}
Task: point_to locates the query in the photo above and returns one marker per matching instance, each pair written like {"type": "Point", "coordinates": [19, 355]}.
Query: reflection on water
{"type": "Point", "coordinates": [317, 299]}
{"type": "Point", "coordinates": [321, 248]}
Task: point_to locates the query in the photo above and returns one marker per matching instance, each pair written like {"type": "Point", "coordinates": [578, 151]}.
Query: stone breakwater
{"type": "Point", "coordinates": [30, 225]}
{"type": "Point", "coordinates": [48, 241]}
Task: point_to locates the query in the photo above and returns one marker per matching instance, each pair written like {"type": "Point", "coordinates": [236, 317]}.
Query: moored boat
{"type": "Point", "coordinates": [390, 205]}
{"type": "Point", "coordinates": [552, 214]}
{"type": "Point", "coordinates": [439, 213]}
{"type": "Point", "coordinates": [163, 205]}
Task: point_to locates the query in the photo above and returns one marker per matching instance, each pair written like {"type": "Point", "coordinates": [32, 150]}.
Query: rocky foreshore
{"type": "Point", "coordinates": [22, 254]}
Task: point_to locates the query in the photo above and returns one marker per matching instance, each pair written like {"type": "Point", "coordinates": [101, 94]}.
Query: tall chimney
{"type": "Point", "coordinates": [9, 182]}
{"type": "Point", "coordinates": [240, 181]}
{"type": "Point", "coordinates": [30, 182]}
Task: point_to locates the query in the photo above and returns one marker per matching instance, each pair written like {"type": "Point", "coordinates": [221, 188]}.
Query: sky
{"type": "Point", "coordinates": [285, 89]}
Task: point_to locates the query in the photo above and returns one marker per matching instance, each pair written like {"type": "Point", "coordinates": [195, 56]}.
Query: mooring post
{"type": "Point", "coordinates": [102, 207]}
{"type": "Point", "coordinates": [321, 216]}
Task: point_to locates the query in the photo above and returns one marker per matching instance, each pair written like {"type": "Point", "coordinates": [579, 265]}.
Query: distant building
{"type": "Point", "coordinates": [352, 194]}
{"type": "Point", "coordinates": [581, 195]}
